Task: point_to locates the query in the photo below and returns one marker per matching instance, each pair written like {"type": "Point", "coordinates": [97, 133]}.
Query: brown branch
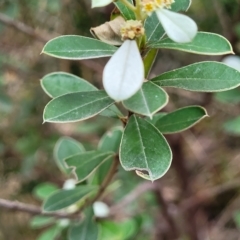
{"type": "Point", "coordinates": [103, 186]}
{"type": "Point", "coordinates": [22, 27]}
{"type": "Point", "coordinates": [33, 210]}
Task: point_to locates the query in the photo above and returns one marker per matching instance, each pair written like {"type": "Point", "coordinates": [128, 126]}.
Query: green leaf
{"type": "Point", "coordinates": [51, 233]}
{"type": "Point", "coordinates": [66, 147]}
{"type": "Point", "coordinates": [181, 5]}
{"type": "Point", "coordinates": [204, 44]}
{"type": "Point", "coordinates": [117, 230]}
{"type": "Point", "coordinates": [86, 230]}
{"type": "Point", "coordinates": [148, 100]}
{"type": "Point", "coordinates": [44, 190]}
{"type": "Point", "coordinates": [148, 60]}
{"type": "Point", "coordinates": [77, 48]}
{"type": "Point", "coordinates": [64, 198]}
{"type": "Point", "coordinates": [153, 29]}
{"type": "Point", "coordinates": [232, 96]}
{"type": "Point", "coordinates": [181, 119]}
{"type": "Point", "coordinates": [41, 221]}
{"type": "Point", "coordinates": [143, 148]}
{"type": "Point", "coordinates": [60, 83]}
{"type": "Point", "coordinates": [78, 106]}
{"type": "Point", "coordinates": [125, 11]}
{"type": "Point", "coordinates": [201, 77]}
{"type": "Point", "coordinates": [84, 164]}
{"type": "Point", "coordinates": [232, 126]}
{"type": "Point", "coordinates": [110, 141]}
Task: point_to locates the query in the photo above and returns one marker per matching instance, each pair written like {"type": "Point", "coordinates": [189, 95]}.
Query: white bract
{"type": "Point", "coordinates": [123, 75]}
{"type": "Point", "coordinates": [100, 3]}
{"type": "Point", "coordinates": [232, 61]}
{"type": "Point", "coordinates": [178, 27]}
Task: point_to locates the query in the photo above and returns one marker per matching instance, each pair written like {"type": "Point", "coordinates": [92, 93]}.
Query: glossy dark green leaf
{"type": "Point", "coordinates": [78, 106]}
{"type": "Point", "coordinates": [143, 148]}
{"type": "Point", "coordinates": [201, 77]}
{"type": "Point", "coordinates": [86, 230]}
{"type": "Point", "coordinates": [148, 100]}
{"type": "Point", "coordinates": [44, 190]}
{"type": "Point", "coordinates": [77, 48]}
{"type": "Point", "coordinates": [204, 44]}
{"type": "Point", "coordinates": [232, 126]}
{"type": "Point", "coordinates": [84, 164]}
{"type": "Point", "coordinates": [231, 96]}
{"type": "Point", "coordinates": [60, 83]}
{"type": "Point", "coordinates": [65, 198]}
{"type": "Point", "coordinates": [66, 147]}
{"type": "Point", "coordinates": [181, 119]}
{"type": "Point", "coordinates": [125, 11]}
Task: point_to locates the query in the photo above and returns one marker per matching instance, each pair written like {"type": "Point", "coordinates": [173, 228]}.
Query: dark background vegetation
{"type": "Point", "coordinates": [198, 197]}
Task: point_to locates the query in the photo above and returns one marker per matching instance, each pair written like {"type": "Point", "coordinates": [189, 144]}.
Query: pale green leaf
{"type": "Point", "coordinates": [143, 148]}
{"type": "Point", "coordinates": [204, 44]}
{"type": "Point", "coordinates": [41, 221]}
{"type": "Point", "coordinates": [232, 126]}
{"type": "Point", "coordinates": [86, 230]}
{"type": "Point", "coordinates": [181, 5]}
{"type": "Point", "coordinates": [148, 100]}
{"type": "Point", "coordinates": [117, 230]}
{"type": "Point", "coordinates": [77, 48]}
{"type": "Point", "coordinates": [66, 147]}
{"type": "Point", "coordinates": [60, 83]}
{"type": "Point", "coordinates": [65, 198]}
{"type": "Point", "coordinates": [84, 164]}
{"type": "Point", "coordinates": [180, 120]}
{"type": "Point", "coordinates": [149, 60]}
{"type": "Point", "coordinates": [231, 96]}
{"type": "Point", "coordinates": [78, 106]}
{"type": "Point", "coordinates": [201, 77]}
{"type": "Point", "coordinates": [44, 190]}
{"type": "Point", "coordinates": [51, 233]}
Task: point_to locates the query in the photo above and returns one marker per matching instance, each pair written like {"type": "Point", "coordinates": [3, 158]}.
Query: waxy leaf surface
{"type": "Point", "coordinates": [86, 163]}
{"type": "Point", "coordinates": [64, 198]}
{"type": "Point", "coordinates": [76, 106]}
{"type": "Point", "coordinates": [148, 100]}
{"type": "Point", "coordinates": [66, 147]}
{"type": "Point", "coordinates": [143, 148]}
{"type": "Point", "coordinates": [60, 83]}
{"type": "Point", "coordinates": [201, 77]}
{"type": "Point", "coordinates": [203, 43]}
{"type": "Point", "coordinates": [181, 119]}
{"type": "Point", "coordinates": [77, 48]}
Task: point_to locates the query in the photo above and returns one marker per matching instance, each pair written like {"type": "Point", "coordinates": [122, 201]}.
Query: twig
{"type": "Point", "coordinates": [34, 210]}
{"type": "Point", "coordinates": [103, 186]}
{"type": "Point", "coordinates": [22, 27]}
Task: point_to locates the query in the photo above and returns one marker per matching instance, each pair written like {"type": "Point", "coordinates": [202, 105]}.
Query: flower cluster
{"type": "Point", "coordinates": [132, 29]}
{"type": "Point", "coordinates": [149, 6]}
